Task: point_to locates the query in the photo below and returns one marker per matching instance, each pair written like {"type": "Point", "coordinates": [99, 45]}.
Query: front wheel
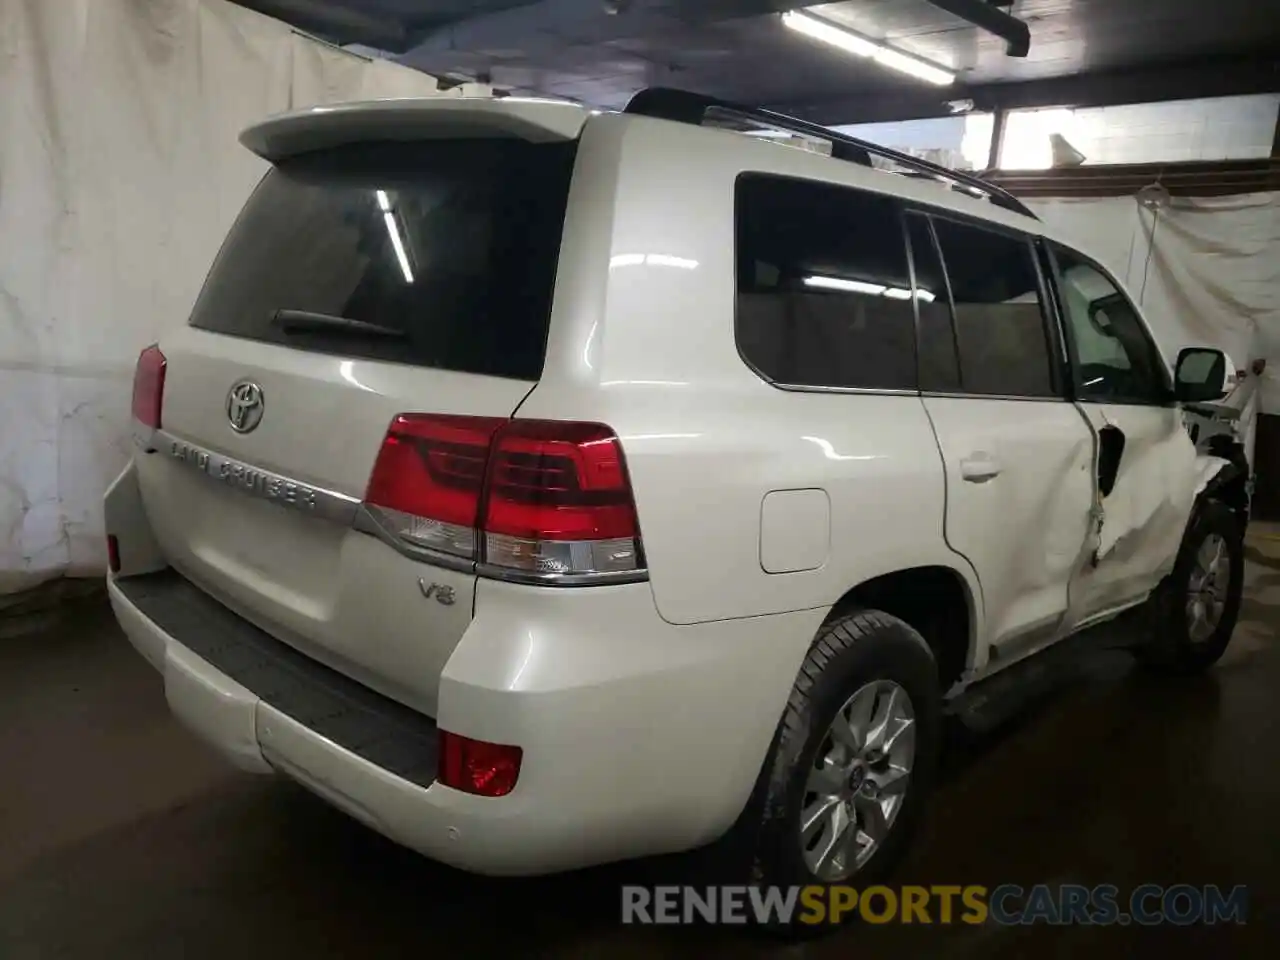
{"type": "Point", "coordinates": [1195, 609]}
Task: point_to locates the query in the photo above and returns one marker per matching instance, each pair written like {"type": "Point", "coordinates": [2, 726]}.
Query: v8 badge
{"type": "Point", "coordinates": [437, 591]}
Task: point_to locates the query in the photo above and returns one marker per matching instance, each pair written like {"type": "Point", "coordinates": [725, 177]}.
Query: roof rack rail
{"type": "Point", "coordinates": [683, 106]}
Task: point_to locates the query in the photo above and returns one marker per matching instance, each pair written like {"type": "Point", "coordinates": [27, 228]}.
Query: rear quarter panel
{"type": "Point", "coordinates": [642, 338]}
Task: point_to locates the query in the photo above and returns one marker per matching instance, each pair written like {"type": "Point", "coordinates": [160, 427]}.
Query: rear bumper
{"type": "Point", "coordinates": [639, 737]}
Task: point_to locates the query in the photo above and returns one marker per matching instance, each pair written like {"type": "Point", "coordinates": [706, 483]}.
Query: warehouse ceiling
{"type": "Point", "coordinates": [1082, 52]}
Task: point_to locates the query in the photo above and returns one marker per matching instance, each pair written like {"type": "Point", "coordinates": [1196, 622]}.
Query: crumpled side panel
{"type": "Point", "coordinates": [1143, 519]}
{"type": "Point", "coordinates": [1156, 488]}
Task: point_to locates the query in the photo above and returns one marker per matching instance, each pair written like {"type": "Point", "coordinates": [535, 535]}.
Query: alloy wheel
{"type": "Point", "coordinates": [859, 780]}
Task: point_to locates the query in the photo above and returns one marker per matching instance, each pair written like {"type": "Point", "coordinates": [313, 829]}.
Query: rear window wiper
{"type": "Point", "coordinates": [304, 321]}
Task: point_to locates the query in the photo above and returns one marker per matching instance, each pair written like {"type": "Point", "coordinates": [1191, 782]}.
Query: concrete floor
{"type": "Point", "coordinates": [121, 836]}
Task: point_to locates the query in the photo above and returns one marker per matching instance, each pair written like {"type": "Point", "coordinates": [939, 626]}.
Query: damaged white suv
{"type": "Point", "coordinates": [546, 487]}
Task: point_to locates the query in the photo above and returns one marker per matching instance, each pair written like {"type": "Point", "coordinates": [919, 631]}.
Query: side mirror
{"type": "Point", "coordinates": [1200, 375]}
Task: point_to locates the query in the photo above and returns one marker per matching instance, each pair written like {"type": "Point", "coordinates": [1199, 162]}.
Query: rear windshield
{"type": "Point", "coordinates": [443, 253]}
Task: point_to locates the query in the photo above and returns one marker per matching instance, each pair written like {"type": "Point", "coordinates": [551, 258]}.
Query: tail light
{"type": "Point", "coordinates": [474, 766]}
{"type": "Point", "coordinates": [559, 501]}
{"type": "Point", "coordinates": [543, 499]}
{"type": "Point", "coordinates": [427, 481]}
{"type": "Point", "coordinates": [148, 387]}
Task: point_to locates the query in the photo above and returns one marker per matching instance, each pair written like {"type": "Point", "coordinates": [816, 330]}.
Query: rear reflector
{"type": "Point", "coordinates": [474, 766]}
{"type": "Point", "coordinates": [148, 387]}
{"type": "Point", "coordinates": [542, 498]}
{"type": "Point", "coordinates": [113, 553]}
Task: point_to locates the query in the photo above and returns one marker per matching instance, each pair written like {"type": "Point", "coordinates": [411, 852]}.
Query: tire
{"type": "Point", "coordinates": [862, 650]}
{"type": "Point", "coordinates": [1177, 644]}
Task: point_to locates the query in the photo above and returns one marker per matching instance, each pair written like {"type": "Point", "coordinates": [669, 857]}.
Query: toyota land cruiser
{"type": "Point", "coordinates": [546, 487]}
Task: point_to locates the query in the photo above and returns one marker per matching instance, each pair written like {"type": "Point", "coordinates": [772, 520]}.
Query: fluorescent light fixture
{"type": "Point", "coordinates": [859, 46]}
{"type": "Point", "coordinates": [394, 231]}
{"type": "Point", "coordinates": [652, 259]}
{"type": "Point", "coordinates": [862, 286]}
{"type": "Point", "coordinates": [347, 369]}
{"type": "Point", "coordinates": [664, 260]}
{"type": "Point", "coordinates": [829, 33]}
{"type": "Point", "coordinates": [898, 293]}
{"type": "Point", "coordinates": [904, 63]}
{"type": "Point", "coordinates": [829, 450]}
{"type": "Point", "coordinates": [852, 286]}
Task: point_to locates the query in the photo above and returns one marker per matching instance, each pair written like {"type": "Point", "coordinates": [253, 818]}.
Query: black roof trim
{"type": "Point", "coordinates": [684, 106]}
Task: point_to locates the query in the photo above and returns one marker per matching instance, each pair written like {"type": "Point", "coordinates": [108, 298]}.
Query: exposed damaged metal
{"type": "Point", "coordinates": [1155, 477]}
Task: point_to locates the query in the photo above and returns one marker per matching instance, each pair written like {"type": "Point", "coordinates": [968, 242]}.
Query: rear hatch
{"type": "Point", "coordinates": [362, 280]}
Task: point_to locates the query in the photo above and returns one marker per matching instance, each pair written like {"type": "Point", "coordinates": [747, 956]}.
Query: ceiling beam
{"type": "Point", "coordinates": [334, 21]}
{"type": "Point", "coordinates": [984, 15]}
{"type": "Point", "coordinates": [1195, 178]}
{"type": "Point", "coordinates": [1238, 76]}
{"type": "Point", "coordinates": [546, 26]}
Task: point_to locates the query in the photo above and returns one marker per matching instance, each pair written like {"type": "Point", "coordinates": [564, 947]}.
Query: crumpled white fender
{"type": "Point", "coordinates": [1207, 468]}
{"type": "Point", "coordinates": [1150, 486]}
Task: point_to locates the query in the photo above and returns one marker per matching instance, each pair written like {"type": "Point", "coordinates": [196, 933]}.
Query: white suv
{"type": "Point", "coordinates": [545, 487]}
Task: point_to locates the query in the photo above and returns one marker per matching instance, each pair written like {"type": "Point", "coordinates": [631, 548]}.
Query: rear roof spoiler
{"type": "Point", "coordinates": [426, 118]}
{"type": "Point", "coordinates": [686, 107]}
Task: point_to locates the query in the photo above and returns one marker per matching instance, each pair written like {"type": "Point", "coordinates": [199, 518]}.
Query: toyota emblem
{"type": "Point", "coordinates": [244, 406]}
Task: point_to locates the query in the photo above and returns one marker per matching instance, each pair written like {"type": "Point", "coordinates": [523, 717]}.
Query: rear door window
{"type": "Point", "coordinates": [1001, 327]}
{"type": "Point", "coordinates": [939, 362]}
{"type": "Point", "coordinates": [824, 293]}
{"type": "Point", "coordinates": [437, 253]}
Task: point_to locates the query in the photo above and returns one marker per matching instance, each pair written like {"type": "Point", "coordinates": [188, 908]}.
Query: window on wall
{"type": "Point", "coordinates": [1000, 328]}
{"type": "Point", "coordinates": [1214, 128]}
{"type": "Point", "coordinates": [824, 294]}
{"type": "Point", "coordinates": [959, 142]}
{"type": "Point", "coordinates": [1115, 359]}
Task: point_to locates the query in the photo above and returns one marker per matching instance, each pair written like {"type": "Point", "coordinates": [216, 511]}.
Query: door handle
{"type": "Point", "coordinates": [979, 468]}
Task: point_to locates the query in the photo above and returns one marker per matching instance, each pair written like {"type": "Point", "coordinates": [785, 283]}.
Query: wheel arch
{"type": "Point", "coordinates": [938, 601]}
{"type": "Point", "coordinates": [1229, 483]}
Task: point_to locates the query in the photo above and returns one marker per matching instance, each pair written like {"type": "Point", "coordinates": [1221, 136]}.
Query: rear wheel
{"type": "Point", "coordinates": [852, 762]}
{"type": "Point", "coordinates": [857, 783]}
{"type": "Point", "coordinates": [1196, 608]}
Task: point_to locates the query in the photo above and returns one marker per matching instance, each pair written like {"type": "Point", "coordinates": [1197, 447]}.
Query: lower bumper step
{"type": "Point", "coordinates": [383, 732]}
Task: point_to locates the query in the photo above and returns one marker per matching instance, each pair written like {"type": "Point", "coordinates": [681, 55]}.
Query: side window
{"type": "Point", "coordinates": [824, 296]}
{"type": "Point", "coordinates": [1115, 359]}
{"type": "Point", "coordinates": [1000, 325]}
{"type": "Point", "coordinates": [939, 365]}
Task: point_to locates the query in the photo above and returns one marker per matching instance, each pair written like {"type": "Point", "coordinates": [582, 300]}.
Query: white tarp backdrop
{"type": "Point", "coordinates": [120, 172]}
{"type": "Point", "coordinates": [1206, 271]}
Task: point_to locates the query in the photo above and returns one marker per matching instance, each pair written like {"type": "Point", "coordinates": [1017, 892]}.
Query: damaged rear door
{"type": "Point", "coordinates": [1144, 461]}
{"type": "Point", "coordinates": [1016, 452]}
